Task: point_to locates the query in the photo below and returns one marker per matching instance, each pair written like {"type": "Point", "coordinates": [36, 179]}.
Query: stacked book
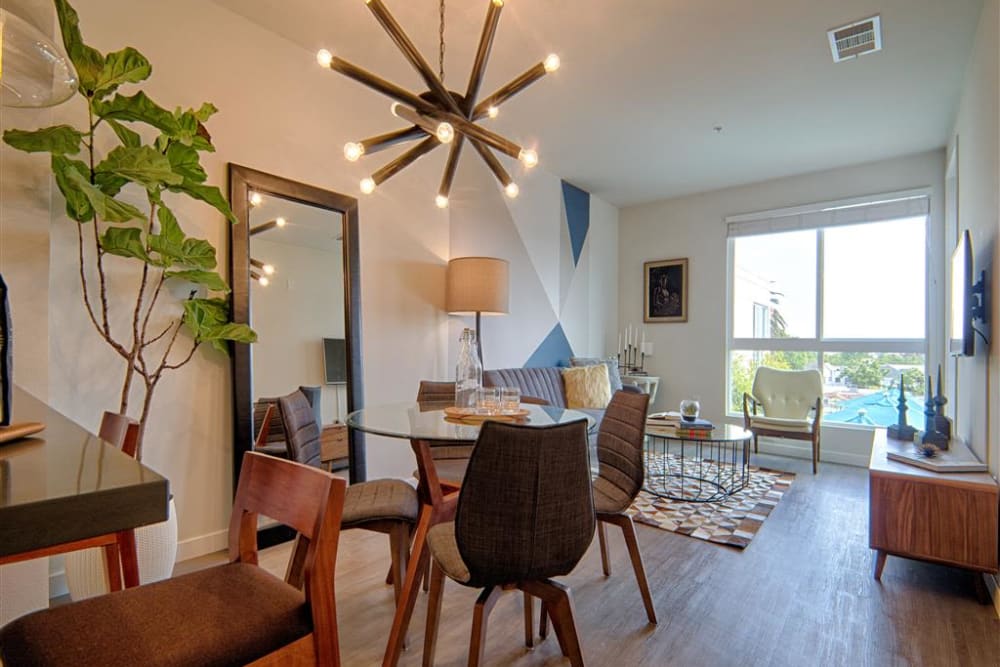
{"type": "Point", "coordinates": [664, 419]}
{"type": "Point", "coordinates": [699, 428]}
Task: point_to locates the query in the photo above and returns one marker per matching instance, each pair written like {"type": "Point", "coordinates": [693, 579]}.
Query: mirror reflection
{"type": "Point", "coordinates": [297, 309]}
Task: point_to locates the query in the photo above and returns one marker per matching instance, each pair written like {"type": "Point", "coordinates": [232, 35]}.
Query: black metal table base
{"type": "Point", "coordinates": [703, 471]}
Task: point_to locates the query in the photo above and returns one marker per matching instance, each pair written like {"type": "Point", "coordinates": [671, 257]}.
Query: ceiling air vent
{"type": "Point", "coordinates": [856, 39]}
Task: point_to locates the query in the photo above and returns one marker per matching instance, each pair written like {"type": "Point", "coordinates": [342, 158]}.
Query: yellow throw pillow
{"type": "Point", "coordinates": [587, 386]}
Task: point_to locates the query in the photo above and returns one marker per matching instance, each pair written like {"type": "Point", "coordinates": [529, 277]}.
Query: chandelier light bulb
{"type": "Point", "coordinates": [493, 111]}
{"type": "Point", "coordinates": [268, 269]}
{"type": "Point", "coordinates": [445, 133]}
{"type": "Point", "coordinates": [441, 201]}
{"type": "Point", "coordinates": [551, 63]}
{"type": "Point", "coordinates": [498, 3]}
{"type": "Point", "coordinates": [280, 222]}
{"type": "Point", "coordinates": [511, 190]}
{"type": "Point", "coordinates": [528, 157]}
{"type": "Point", "coordinates": [353, 151]}
{"type": "Point", "coordinates": [394, 108]}
{"type": "Point", "coordinates": [256, 199]}
{"type": "Point", "coordinates": [324, 58]}
{"type": "Point", "coordinates": [367, 185]}
{"type": "Point", "coordinates": [264, 281]}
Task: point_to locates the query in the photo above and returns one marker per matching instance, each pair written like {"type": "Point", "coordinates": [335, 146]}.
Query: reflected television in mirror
{"type": "Point", "coordinates": [335, 360]}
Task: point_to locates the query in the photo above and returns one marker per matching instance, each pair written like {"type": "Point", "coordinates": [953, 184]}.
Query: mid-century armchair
{"type": "Point", "coordinates": [791, 403]}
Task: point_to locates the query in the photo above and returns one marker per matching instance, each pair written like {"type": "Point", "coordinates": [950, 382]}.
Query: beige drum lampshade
{"type": "Point", "coordinates": [478, 285]}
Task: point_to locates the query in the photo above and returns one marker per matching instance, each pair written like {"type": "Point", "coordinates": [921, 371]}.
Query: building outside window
{"type": "Point", "coordinates": [838, 287]}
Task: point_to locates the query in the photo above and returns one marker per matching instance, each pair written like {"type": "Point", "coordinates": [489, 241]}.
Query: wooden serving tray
{"type": "Point", "coordinates": [470, 416]}
{"type": "Point", "coordinates": [17, 431]}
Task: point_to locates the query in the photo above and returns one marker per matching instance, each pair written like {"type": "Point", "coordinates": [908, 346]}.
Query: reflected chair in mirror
{"type": "Point", "coordinates": [525, 515]}
{"type": "Point", "coordinates": [620, 476]}
{"type": "Point", "coordinates": [269, 435]}
{"type": "Point", "coordinates": [792, 406]}
{"type": "Point", "coordinates": [387, 506]}
{"type": "Point", "coordinates": [119, 548]}
{"type": "Point", "coordinates": [231, 614]}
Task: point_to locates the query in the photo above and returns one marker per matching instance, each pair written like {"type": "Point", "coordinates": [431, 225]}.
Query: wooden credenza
{"type": "Point", "coordinates": [948, 518]}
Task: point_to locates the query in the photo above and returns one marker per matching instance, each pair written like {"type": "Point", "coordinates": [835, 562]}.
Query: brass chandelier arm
{"type": "Point", "coordinates": [450, 166]}
{"type": "Point", "coordinates": [510, 90]}
{"type": "Point", "coordinates": [410, 52]}
{"type": "Point", "coordinates": [405, 160]}
{"type": "Point", "coordinates": [493, 163]}
{"type": "Point", "coordinates": [477, 133]}
{"type": "Point", "coordinates": [380, 85]}
{"type": "Point", "coordinates": [263, 227]}
{"type": "Point", "coordinates": [429, 125]}
{"type": "Point", "coordinates": [482, 55]}
{"type": "Point", "coordinates": [383, 141]}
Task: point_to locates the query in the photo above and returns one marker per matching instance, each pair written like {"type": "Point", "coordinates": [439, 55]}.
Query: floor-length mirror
{"type": "Point", "coordinates": [294, 269]}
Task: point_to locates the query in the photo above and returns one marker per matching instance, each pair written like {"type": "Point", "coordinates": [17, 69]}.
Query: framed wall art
{"type": "Point", "coordinates": [666, 291]}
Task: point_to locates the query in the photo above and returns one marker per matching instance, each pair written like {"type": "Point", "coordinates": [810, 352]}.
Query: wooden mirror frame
{"type": "Point", "coordinates": [241, 181]}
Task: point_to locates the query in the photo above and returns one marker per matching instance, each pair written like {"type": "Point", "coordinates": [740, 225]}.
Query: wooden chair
{"type": "Point", "coordinates": [388, 506]}
{"type": "Point", "coordinates": [525, 514]}
{"type": "Point", "coordinates": [786, 398]}
{"type": "Point", "coordinates": [119, 548]}
{"type": "Point", "coordinates": [620, 477]}
{"type": "Point", "coordinates": [232, 614]}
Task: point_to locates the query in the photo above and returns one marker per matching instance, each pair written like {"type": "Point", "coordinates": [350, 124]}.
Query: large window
{"type": "Point", "coordinates": [839, 288]}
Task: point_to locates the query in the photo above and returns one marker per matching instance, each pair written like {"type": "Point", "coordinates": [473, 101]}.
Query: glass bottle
{"type": "Point", "coordinates": [468, 371]}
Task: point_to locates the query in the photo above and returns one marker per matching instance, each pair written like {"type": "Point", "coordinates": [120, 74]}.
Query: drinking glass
{"type": "Point", "coordinates": [488, 400]}
{"type": "Point", "coordinates": [510, 400]}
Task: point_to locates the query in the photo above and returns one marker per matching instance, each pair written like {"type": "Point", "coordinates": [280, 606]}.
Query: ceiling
{"type": "Point", "coordinates": [630, 115]}
{"type": "Point", "coordinates": [306, 226]}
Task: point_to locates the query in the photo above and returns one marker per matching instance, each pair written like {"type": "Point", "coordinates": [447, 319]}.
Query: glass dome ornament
{"type": "Point", "coordinates": [33, 71]}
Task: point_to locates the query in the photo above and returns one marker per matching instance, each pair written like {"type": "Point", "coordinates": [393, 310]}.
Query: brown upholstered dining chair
{"type": "Point", "coordinates": [387, 506]}
{"type": "Point", "coordinates": [620, 477]}
{"type": "Point", "coordinates": [119, 548]}
{"type": "Point", "coordinates": [525, 514]}
{"type": "Point", "coordinates": [232, 614]}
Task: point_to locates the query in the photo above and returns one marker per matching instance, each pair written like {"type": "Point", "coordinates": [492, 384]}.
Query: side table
{"type": "Point", "coordinates": [647, 383]}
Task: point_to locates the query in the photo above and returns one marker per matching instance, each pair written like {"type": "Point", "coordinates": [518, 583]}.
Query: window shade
{"type": "Point", "coordinates": [831, 214]}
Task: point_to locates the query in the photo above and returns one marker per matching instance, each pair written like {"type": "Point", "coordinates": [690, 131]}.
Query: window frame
{"type": "Point", "coordinates": [820, 344]}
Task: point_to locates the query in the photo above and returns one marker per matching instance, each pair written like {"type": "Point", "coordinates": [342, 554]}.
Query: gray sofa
{"type": "Point", "coordinates": [545, 383]}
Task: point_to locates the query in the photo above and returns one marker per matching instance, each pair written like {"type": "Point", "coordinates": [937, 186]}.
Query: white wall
{"type": "Point", "coordinates": [302, 305]}
{"type": "Point", "coordinates": [546, 286]}
{"type": "Point", "coordinates": [977, 399]}
{"type": "Point", "coordinates": [690, 357]}
{"type": "Point", "coordinates": [281, 114]}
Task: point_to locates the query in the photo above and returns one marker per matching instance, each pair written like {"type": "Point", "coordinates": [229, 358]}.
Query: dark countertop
{"type": "Point", "coordinates": [66, 484]}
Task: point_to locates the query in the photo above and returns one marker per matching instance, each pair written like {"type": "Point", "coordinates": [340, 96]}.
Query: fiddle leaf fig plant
{"type": "Point", "coordinates": [155, 153]}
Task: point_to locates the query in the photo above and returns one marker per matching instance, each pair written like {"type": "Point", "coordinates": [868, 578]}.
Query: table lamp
{"type": "Point", "coordinates": [479, 285]}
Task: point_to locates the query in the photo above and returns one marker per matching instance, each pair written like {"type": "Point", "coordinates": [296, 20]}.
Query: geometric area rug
{"type": "Point", "coordinates": [732, 521]}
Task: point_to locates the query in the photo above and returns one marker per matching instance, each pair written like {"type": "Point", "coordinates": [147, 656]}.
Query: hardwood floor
{"type": "Point", "coordinates": [801, 593]}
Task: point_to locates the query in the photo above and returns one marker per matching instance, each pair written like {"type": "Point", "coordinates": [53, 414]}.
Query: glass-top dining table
{"type": "Point", "coordinates": [426, 425]}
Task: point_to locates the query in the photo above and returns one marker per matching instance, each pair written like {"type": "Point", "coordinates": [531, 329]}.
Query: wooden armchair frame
{"type": "Point", "coordinates": [750, 404]}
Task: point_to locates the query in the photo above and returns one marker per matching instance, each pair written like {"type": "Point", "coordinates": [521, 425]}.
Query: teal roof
{"type": "Point", "coordinates": [878, 409]}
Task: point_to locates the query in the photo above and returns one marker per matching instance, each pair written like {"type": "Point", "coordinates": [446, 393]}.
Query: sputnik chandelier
{"type": "Point", "coordinates": [440, 116]}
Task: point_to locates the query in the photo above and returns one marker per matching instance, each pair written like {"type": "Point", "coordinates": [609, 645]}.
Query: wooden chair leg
{"type": "Point", "coordinates": [529, 621]}
{"type": "Point", "coordinates": [755, 449]}
{"type": "Point", "coordinates": [113, 564]}
{"type": "Point", "coordinates": [433, 613]}
{"type": "Point", "coordinates": [480, 615]}
{"type": "Point", "coordinates": [559, 604]}
{"type": "Point", "coordinates": [602, 537]}
{"type": "Point", "coordinates": [628, 530]}
{"type": "Point", "coordinates": [815, 454]}
{"type": "Point", "coordinates": [130, 562]}
{"type": "Point", "coordinates": [399, 548]}
{"type": "Point", "coordinates": [414, 573]}
{"type": "Point", "coordinates": [543, 621]}
{"type": "Point", "coordinates": [880, 557]}
{"type": "Point", "coordinates": [427, 576]}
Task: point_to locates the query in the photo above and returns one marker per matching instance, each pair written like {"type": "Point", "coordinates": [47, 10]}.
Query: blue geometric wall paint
{"type": "Point", "coordinates": [555, 350]}
{"type": "Point", "coordinates": [577, 203]}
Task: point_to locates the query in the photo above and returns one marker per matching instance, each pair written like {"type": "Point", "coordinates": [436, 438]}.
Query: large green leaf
{"type": "Point", "coordinates": [88, 62]}
{"type": "Point", "coordinates": [77, 203]}
{"type": "Point", "coordinates": [125, 135]}
{"type": "Point", "coordinates": [125, 66]}
{"type": "Point", "coordinates": [144, 165]}
{"type": "Point", "coordinates": [58, 140]}
{"type": "Point", "coordinates": [210, 279]}
{"type": "Point", "coordinates": [198, 253]}
{"type": "Point", "coordinates": [124, 242]}
{"type": "Point", "coordinates": [176, 249]}
{"type": "Point", "coordinates": [208, 194]}
{"type": "Point", "coordinates": [206, 111]}
{"type": "Point", "coordinates": [108, 208]}
{"type": "Point", "coordinates": [184, 160]}
{"type": "Point", "coordinates": [200, 315]}
{"type": "Point", "coordinates": [138, 109]}
{"type": "Point", "coordinates": [238, 333]}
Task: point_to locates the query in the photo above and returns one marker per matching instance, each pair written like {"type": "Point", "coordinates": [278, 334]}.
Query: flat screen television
{"type": "Point", "coordinates": [961, 337]}
{"type": "Point", "coordinates": [335, 360]}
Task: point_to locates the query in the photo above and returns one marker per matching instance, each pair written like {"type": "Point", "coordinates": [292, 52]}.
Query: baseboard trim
{"type": "Point", "coordinates": [193, 547]}
{"type": "Point", "coordinates": [791, 451]}
{"type": "Point", "coordinates": [57, 584]}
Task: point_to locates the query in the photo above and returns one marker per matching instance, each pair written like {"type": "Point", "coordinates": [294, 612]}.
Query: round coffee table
{"type": "Point", "coordinates": [697, 470]}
